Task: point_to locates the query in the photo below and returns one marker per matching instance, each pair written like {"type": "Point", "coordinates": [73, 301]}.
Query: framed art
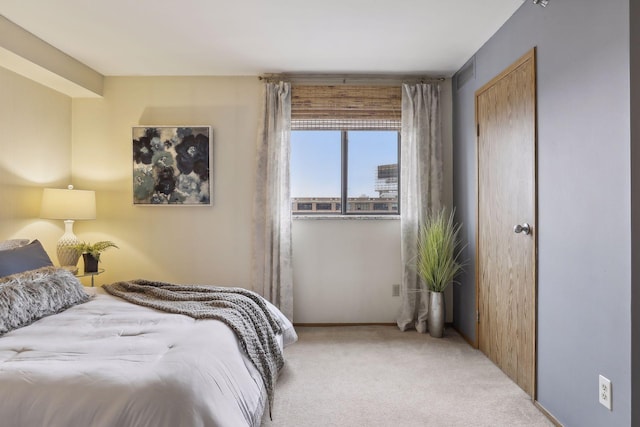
{"type": "Point", "coordinates": [172, 165]}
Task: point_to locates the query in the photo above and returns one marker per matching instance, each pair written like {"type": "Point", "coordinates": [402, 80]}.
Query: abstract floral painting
{"type": "Point", "coordinates": [172, 165]}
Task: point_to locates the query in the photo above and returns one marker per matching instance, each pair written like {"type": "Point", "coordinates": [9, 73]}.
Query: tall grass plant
{"type": "Point", "coordinates": [439, 250]}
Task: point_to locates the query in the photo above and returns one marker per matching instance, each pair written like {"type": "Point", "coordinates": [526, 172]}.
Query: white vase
{"type": "Point", "coordinates": [436, 314]}
{"type": "Point", "coordinates": [66, 248]}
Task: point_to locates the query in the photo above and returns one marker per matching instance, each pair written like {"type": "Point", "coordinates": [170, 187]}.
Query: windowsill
{"type": "Point", "coordinates": [341, 217]}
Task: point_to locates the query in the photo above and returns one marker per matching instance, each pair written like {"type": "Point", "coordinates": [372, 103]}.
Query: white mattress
{"type": "Point", "coordinates": [112, 363]}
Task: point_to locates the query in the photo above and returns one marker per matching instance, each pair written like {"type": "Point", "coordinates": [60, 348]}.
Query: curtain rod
{"type": "Point", "coordinates": [348, 79]}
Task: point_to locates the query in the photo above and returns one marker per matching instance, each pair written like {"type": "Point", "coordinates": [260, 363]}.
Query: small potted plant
{"type": "Point", "coordinates": [438, 262]}
{"type": "Point", "coordinates": [91, 253]}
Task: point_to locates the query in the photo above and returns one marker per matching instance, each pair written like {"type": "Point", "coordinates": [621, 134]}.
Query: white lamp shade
{"type": "Point", "coordinates": [68, 204]}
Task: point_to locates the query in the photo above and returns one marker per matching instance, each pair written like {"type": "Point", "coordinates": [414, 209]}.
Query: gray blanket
{"type": "Point", "coordinates": [245, 312]}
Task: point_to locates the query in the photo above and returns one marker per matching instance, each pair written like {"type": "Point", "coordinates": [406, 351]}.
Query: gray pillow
{"type": "Point", "coordinates": [28, 296]}
{"type": "Point", "coordinates": [23, 258]}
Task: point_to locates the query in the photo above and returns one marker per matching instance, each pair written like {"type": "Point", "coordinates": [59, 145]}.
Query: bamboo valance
{"type": "Point", "coordinates": [346, 104]}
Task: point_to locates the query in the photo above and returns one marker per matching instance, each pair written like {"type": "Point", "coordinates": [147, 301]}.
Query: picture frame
{"type": "Point", "coordinates": [172, 165]}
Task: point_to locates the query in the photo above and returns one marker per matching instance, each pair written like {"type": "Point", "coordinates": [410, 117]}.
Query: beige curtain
{"type": "Point", "coordinates": [272, 271]}
{"type": "Point", "coordinates": [420, 190]}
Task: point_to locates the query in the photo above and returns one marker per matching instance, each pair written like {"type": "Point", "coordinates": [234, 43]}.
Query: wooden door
{"type": "Point", "coordinates": [506, 259]}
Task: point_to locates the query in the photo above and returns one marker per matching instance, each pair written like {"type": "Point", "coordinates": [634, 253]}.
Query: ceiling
{"type": "Point", "coordinates": [252, 37]}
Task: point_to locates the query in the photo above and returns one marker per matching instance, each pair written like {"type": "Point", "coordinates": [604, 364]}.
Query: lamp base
{"type": "Point", "coordinates": [65, 249]}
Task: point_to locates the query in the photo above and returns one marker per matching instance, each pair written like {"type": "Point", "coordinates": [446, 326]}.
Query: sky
{"type": "Point", "coordinates": [315, 162]}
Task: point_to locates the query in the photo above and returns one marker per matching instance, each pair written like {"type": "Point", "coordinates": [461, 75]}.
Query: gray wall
{"type": "Point", "coordinates": [635, 211]}
{"type": "Point", "coordinates": [584, 199]}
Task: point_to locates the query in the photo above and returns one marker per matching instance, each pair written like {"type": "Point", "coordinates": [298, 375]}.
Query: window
{"type": "Point", "coordinates": [361, 165]}
{"type": "Point", "coordinates": [345, 149]}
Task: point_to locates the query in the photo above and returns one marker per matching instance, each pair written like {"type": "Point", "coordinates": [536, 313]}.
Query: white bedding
{"type": "Point", "coordinates": [112, 363]}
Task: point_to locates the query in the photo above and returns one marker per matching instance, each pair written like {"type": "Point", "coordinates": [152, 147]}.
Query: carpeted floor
{"type": "Point", "coordinates": [378, 376]}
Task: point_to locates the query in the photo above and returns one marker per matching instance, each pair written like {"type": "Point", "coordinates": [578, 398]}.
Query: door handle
{"type": "Point", "coordinates": [524, 228]}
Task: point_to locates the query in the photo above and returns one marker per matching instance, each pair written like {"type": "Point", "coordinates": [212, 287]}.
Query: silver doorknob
{"type": "Point", "coordinates": [524, 228]}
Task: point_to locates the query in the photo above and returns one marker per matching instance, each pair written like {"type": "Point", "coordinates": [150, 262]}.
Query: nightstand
{"type": "Point", "coordinates": [92, 274]}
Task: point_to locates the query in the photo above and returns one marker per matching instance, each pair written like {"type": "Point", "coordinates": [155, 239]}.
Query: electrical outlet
{"type": "Point", "coordinates": [395, 290]}
{"type": "Point", "coordinates": [604, 392]}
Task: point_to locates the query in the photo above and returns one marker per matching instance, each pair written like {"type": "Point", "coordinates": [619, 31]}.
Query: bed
{"type": "Point", "coordinates": [103, 361]}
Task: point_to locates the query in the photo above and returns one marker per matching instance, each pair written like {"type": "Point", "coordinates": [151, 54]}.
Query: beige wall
{"type": "Point", "coordinates": [349, 282]}
{"type": "Point", "coordinates": [35, 124]}
{"type": "Point", "coordinates": [202, 244]}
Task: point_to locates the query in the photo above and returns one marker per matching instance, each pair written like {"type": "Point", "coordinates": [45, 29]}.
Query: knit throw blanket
{"type": "Point", "coordinates": [245, 312]}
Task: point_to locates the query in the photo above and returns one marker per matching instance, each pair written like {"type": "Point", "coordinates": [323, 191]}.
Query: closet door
{"type": "Point", "coordinates": [506, 223]}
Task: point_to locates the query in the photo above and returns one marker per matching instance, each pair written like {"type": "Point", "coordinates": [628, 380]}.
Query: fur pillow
{"type": "Point", "coordinates": [12, 244]}
{"type": "Point", "coordinates": [28, 296]}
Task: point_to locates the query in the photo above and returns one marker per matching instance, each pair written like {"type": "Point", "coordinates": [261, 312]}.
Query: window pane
{"type": "Point", "coordinates": [315, 171]}
{"type": "Point", "coordinates": [372, 171]}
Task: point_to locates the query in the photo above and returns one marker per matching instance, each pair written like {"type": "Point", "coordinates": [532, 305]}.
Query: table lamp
{"type": "Point", "coordinates": [69, 205]}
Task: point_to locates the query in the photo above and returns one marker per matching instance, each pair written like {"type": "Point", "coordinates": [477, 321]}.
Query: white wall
{"type": "Point", "coordinates": [343, 270]}
{"type": "Point", "coordinates": [35, 59]}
